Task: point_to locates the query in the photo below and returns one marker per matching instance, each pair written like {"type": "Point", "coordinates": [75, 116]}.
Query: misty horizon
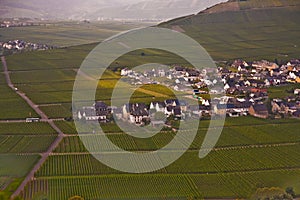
{"type": "Point", "coordinates": [103, 9]}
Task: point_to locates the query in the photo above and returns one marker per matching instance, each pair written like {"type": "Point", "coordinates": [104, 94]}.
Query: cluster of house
{"type": "Point", "coordinates": [140, 113]}
{"type": "Point", "coordinates": [178, 78]}
{"type": "Point", "coordinates": [20, 45]}
{"type": "Point", "coordinates": [17, 23]}
{"type": "Point", "coordinates": [245, 86]}
{"type": "Point", "coordinates": [259, 74]}
{"type": "Point", "coordinates": [288, 106]}
{"type": "Point", "coordinates": [251, 80]}
{"type": "Point", "coordinates": [135, 113]}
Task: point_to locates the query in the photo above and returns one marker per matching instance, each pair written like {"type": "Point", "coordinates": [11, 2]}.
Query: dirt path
{"type": "Point", "coordinates": [44, 118]}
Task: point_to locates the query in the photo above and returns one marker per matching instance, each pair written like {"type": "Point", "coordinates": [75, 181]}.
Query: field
{"type": "Point", "coordinates": [11, 105]}
{"type": "Point", "coordinates": [52, 89]}
{"type": "Point", "coordinates": [282, 91]}
{"type": "Point", "coordinates": [20, 148]}
{"type": "Point", "coordinates": [26, 129]}
{"type": "Point", "coordinates": [25, 144]}
{"type": "Point", "coordinates": [254, 154]}
{"type": "Point", "coordinates": [249, 34]}
{"type": "Point", "coordinates": [63, 34]}
{"type": "Point", "coordinates": [250, 153]}
{"type": "Point", "coordinates": [163, 186]}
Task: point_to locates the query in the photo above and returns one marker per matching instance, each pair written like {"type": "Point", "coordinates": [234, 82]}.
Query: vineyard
{"type": "Point", "coordinates": [235, 160]}
{"type": "Point", "coordinates": [161, 186]}
{"type": "Point", "coordinates": [232, 136]}
{"type": "Point", "coordinates": [25, 144]}
{"type": "Point", "coordinates": [66, 127]}
{"type": "Point", "coordinates": [57, 111]}
{"type": "Point", "coordinates": [11, 105]}
{"type": "Point", "coordinates": [26, 129]}
{"type": "Point", "coordinates": [254, 154]}
{"type": "Point", "coordinates": [16, 165]}
{"type": "Point", "coordinates": [4, 182]}
{"type": "Point", "coordinates": [250, 153]}
{"type": "Point", "coordinates": [20, 146]}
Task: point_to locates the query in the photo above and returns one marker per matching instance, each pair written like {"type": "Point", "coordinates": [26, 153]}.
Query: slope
{"type": "Point", "coordinates": [249, 29]}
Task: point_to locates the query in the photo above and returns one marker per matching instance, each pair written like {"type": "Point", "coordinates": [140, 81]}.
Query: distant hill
{"type": "Point", "coordinates": [250, 29]}
{"type": "Point", "coordinates": [156, 9]}
{"type": "Point", "coordinates": [108, 9]}
{"type": "Point", "coordinates": [53, 9]}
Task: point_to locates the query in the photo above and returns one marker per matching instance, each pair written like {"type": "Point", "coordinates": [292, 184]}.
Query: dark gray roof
{"type": "Point", "coordinates": [259, 108]}
{"type": "Point", "coordinates": [137, 109]}
{"type": "Point", "coordinates": [177, 111]}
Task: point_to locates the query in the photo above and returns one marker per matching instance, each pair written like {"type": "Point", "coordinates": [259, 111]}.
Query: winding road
{"type": "Point", "coordinates": [44, 118]}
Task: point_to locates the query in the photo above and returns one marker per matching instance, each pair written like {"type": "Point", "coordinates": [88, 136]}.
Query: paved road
{"type": "Point", "coordinates": [44, 118]}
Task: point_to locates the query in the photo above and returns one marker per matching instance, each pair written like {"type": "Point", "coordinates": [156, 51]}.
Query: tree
{"type": "Point", "coordinates": [290, 191]}
{"type": "Point", "coordinates": [76, 198]}
{"type": "Point", "coordinates": [273, 193]}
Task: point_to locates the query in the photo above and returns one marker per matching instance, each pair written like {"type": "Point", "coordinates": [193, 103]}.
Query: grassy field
{"type": "Point", "coordinates": [25, 144]}
{"type": "Point", "coordinates": [62, 34]}
{"type": "Point", "coordinates": [26, 129]}
{"type": "Point", "coordinates": [10, 165]}
{"type": "Point", "coordinates": [13, 168]}
{"type": "Point", "coordinates": [11, 105]}
{"type": "Point", "coordinates": [52, 89]}
{"type": "Point", "coordinates": [282, 91]}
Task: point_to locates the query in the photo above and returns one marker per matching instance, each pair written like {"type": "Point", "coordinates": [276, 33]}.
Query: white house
{"type": "Point", "coordinates": [297, 91]}
{"type": "Point", "coordinates": [125, 72]}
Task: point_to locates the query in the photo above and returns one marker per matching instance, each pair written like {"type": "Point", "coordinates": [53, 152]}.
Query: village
{"type": "Point", "coordinates": [18, 22]}
{"type": "Point", "coordinates": [20, 45]}
{"type": "Point", "coordinates": [245, 85]}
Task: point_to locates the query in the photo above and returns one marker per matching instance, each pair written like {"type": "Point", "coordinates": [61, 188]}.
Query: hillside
{"type": "Point", "coordinates": [55, 9]}
{"type": "Point", "coordinates": [155, 9]}
{"type": "Point", "coordinates": [249, 29]}
{"type": "Point", "coordinates": [95, 9]}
